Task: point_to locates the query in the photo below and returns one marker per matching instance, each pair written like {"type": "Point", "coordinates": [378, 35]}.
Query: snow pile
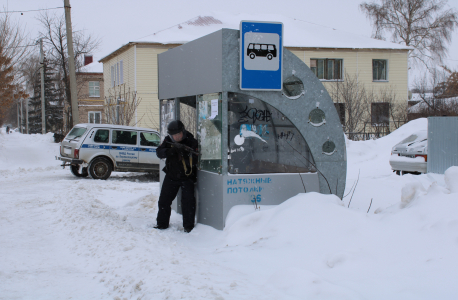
{"type": "Point", "coordinates": [411, 191]}
{"type": "Point", "coordinates": [20, 152]}
{"type": "Point", "coordinates": [313, 247]}
{"type": "Point", "coordinates": [451, 179]}
{"type": "Point", "coordinates": [392, 237]}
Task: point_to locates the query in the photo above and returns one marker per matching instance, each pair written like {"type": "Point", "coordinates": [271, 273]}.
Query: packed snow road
{"type": "Point", "coordinates": [63, 237]}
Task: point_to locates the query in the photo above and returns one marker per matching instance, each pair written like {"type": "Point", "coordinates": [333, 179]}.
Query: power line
{"type": "Point", "coordinates": [23, 46]}
{"type": "Point", "coordinates": [23, 11]}
{"type": "Point", "coordinates": [167, 28]}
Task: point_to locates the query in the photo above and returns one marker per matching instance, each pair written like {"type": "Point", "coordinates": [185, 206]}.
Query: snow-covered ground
{"type": "Point", "coordinates": [63, 237]}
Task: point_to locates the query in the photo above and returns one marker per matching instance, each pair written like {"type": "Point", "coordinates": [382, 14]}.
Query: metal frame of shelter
{"type": "Point", "coordinates": [257, 147]}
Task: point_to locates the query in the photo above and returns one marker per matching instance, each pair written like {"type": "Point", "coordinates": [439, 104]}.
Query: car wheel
{"type": "Point", "coordinates": [100, 168]}
{"type": "Point", "coordinates": [398, 172]}
{"type": "Point", "coordinates": [76, 171]}
{"type": "Point", "coordinates": [269, 56]}
{"type": "Point", "coordinates": [252, 55]}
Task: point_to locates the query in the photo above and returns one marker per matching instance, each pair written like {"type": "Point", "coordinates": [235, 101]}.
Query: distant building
{"type": "Point", "coordinates": [331, 54]}
{"type": "Point", "coordinates": [90, 99]}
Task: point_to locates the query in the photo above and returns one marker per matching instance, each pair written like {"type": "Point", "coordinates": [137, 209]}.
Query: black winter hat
{"type": "Point", "coordinates": [174, 127]}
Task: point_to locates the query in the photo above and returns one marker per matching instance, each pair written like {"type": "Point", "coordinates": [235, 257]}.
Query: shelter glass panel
{"type": "Point", "coordinates": [167, 115]}
{"type": "Point", "coordinates": [209, 129]}
{"type": "Point", "coordinates": [263, 140]}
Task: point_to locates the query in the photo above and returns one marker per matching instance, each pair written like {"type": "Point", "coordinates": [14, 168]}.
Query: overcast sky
{"type": "Point", "coordinates": [117, 22]}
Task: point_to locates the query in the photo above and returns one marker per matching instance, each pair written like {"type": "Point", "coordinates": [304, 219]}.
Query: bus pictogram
{"type": "Point", "coordinates": [262, 50]}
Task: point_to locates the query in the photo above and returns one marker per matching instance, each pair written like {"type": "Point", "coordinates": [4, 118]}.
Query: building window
{"type": "Point", "coordinates": [379, 69]}
{"type": "Point", "coordinates": [380, 114]}
{"type": "Point", "coordinates": [113, 81]}
{"type": "Point", "coordinates": [340, 107]}
{"type": "Point", "coordinates": [117, 74]}
{"type": "Point", "coordinates": [121, 71]}
{"type": "Point", "coordinates": [94, 89]}
{"type": "Point", "coordinates": [326, 68]}
{"type": "Point", "coordinates": [95, 117]}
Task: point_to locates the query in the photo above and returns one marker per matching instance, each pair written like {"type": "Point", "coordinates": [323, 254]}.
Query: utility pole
{"type": "Point", "coordinates": [43, 108]}
{"type": "Point", "coordinates": [71, 63]}
{"type": "Point", "coordinates": [27, 116]}
{"type": "Point", "coordinates": [22, 117]}
{"type": "Point", "coordinates": [18, 120]}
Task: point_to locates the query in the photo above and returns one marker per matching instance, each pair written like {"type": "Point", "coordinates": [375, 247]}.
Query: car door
{"type": "Point", "coordinates": [149, 141]}
{"type": "Point", "coordinates": [124, 148]}
{"type": "Point", "coordinates": [96, 143]}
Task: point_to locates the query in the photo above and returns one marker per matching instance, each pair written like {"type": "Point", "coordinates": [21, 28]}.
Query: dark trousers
{"type": "Point", "coordinates": [169, 191]}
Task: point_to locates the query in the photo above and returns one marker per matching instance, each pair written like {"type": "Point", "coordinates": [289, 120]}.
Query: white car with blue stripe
{"type": "Point", "coordinates": [99, 149]}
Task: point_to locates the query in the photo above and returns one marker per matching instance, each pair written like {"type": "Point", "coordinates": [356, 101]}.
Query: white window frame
{"type": "Point", "coordinates": [342, 74]}
{"type": "Point", "coordinates": [96, 88]}
{"type": "Point", "coordinates": [121, 71]}
{"type": "Point", "coordinates": [117, 73]}
{"type": "Point", "coordinates": [386, 71]}
{"type": "Point", "coordinates": [94, 113]}
{"type": "Point", "coordinates": [113, 82]}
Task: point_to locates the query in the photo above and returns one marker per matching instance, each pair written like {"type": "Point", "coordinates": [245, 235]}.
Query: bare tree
{"type": "Point", "coordinates": [397, 109]}
{"type": "Point", "coordinates": [354, 98]}
{"type": "Point", "coordinates": [426, 87]}
{"type": "Point", "coordinates": [15, 43]}
{"type": "Point", "coordinates": [435, 95]}
{"type": "Point", "coordinates": [425, 25]}
{"type": "Point", "coordinates": [13, 49]}
{"type": "Point", "coordinates": [121, 106]}
{"type": "Point", "coordinates": [449, 87]}
{"type": "Point", "coordinates": [189, 118]}
{"type": "Point", "coordinates": [55, 40]}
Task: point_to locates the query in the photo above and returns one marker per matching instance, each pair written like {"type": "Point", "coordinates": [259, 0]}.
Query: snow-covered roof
{"type": "Point", "coordinates": [421, 105]}
{"type": "Point", "coordinates": [297, 33]}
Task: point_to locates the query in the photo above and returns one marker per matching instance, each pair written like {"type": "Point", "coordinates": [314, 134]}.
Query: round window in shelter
{"type": "Point", "coordinates": [293, 87]}
{"type": "Point", "coordinates": [317, 117]}
{"type": "Point", "coordinates": [329, 147]}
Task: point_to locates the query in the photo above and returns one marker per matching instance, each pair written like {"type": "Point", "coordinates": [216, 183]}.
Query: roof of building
{"type": "Point", "coordinates": [297, 33]}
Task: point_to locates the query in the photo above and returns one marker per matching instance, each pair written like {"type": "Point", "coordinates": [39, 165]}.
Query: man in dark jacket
{"type": "Point", "coordinates": [181, 171]}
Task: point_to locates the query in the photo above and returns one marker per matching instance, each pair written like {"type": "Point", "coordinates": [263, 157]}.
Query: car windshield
{"type": "Point", "coordinates": [76, 132]}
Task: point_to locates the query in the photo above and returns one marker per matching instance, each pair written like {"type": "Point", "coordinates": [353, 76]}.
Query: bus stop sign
{"type": "Point", "coordinates": [261, 55]}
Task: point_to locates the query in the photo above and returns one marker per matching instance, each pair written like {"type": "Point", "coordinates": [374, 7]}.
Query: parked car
{"type": "Point", "coordinates": [411, 154]}
{"type": "Point", "coordinates": [99, 149]}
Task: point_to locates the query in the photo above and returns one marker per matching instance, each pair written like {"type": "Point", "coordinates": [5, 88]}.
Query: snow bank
{"type": "Point", "coordinates": [451, 179]}
{"type": "Point", "coordinates": [313, 247]}
{"type": "Point", "coordinates": [23, 152]}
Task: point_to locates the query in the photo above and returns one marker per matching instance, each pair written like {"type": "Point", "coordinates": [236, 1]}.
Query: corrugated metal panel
{"type": "Point", "coordinates": [442, 144]}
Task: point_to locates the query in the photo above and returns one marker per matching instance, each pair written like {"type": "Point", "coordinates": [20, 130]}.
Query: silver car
{"type": "Point", "coordinates": [99, 149]}
{"type": "Point", "coordinates": [411, 154]}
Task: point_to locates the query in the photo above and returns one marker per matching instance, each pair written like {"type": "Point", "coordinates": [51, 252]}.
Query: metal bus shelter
{"type": "Point", "coordinates": [256, 147]}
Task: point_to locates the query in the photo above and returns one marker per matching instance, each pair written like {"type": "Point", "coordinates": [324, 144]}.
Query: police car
{"type": "Point", "coordinates": [99, 149]}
